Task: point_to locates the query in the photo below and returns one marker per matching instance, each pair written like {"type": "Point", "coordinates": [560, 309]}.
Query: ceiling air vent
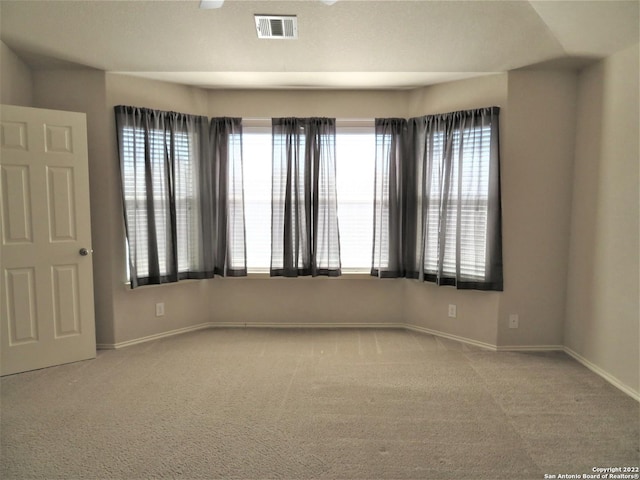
{"type": "Point", "coordinates": [277, 26]}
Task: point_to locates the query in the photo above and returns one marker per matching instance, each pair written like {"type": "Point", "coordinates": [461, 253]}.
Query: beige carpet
{"type": "Point", "coordinates": [340, 404]}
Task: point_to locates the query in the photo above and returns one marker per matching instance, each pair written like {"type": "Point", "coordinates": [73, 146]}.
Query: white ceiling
{"type": "Point", "coordinates": [351, 44]}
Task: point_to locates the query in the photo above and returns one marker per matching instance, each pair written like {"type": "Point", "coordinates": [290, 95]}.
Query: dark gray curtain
{"type": "Point", "coordinates": [390, 198]}
{"type": "Point", "coordinates": [437, 199]}
{"type": "Point", "coordinates": [171, 186]}
{"type": "Point", "coordinates": [225, 186]}
{"type": "Point", "coordinates": [304, 221]}
{"type": "Point", "coordinates": [160, 155]}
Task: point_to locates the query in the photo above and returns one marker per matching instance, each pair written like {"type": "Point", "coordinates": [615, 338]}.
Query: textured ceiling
{"type": "Point", "coordinates": [352, 44]}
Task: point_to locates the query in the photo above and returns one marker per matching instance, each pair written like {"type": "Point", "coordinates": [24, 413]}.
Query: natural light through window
{"type": "Point", "coordinates": [136, 199]}
{"type": "Point", "coordinates": [355, 157]}
{"type": "Point", "coordinates": [256, 153]}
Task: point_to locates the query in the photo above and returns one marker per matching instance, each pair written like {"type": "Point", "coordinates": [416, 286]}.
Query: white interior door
{"type": "Point", "coordinates": [46, 283]}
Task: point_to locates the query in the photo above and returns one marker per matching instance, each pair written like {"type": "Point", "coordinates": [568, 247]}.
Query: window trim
{"type": "Point", "coordinates": [261, 125]}
{"type": "Point", "coordinates": [131, 202]}
{"type": "Point", "coordinates": [364, 126]}
{"type": "Point", "coordinates": [253, 126]}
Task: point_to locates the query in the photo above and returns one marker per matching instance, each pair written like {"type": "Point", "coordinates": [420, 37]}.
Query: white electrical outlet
{"type": "Point", "coordinates": [452, 311]}
{"type": "Point", "coordinates": [514, 321]}
{"type": "Point", "coordinates": [160, 309]}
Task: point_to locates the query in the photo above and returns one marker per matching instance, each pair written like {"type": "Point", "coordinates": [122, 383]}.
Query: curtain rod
{"type": "Point", "coordinates": [339, 119]}
{"type": "Point", "coordinates": [263, 122]}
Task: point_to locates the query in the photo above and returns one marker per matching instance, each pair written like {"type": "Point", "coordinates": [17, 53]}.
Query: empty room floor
{"type": "Point", "coordinates": [314, 403]}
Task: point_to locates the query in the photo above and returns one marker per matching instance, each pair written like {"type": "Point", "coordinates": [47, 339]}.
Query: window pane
{"type": "Point", "coordinates": [187, 212]}
{"type": "Point", "coordinates": [471, 187]}
{"type": "Point", "coordinates": [256, 150]}
{"type": "Point", "coordinates": [355, 155]}
{"type": "Point", "coordinates": [355, 152]}
{"type": "Point", "coordinates": [474, 209]}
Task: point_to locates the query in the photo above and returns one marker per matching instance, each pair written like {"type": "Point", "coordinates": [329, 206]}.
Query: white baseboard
{"type": "Point", "coordinates": [530, 348]}
{"type": "Point", "coordinates": [404, 326]}
{"type": "Point", "coordinates": [303, 325]}
{"type": "Point", "coordinates": [204, 326]}
{"type": "Point", "coordinates": [607, 376]}
{"type": "Point", "coordinates": [468, 341]}
{"type": "Point", "coordinates": [148, 338]}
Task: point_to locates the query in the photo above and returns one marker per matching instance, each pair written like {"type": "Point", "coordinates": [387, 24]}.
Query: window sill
{"type": "Point", "coordinates": [264, 275]}
{"type": "Point", "coordinates": [348, 275]}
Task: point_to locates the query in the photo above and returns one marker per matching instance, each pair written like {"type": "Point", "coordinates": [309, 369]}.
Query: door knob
{"type": "Point", "coordinates": [84, 252]}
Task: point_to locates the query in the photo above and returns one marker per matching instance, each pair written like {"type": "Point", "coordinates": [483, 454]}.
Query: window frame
{"type": "Point", "coordinates": [474, 271]}
{"type": "Point", "coordinates": [133, 204]}
{"type": "Point", "coordinates": [252, 126]}
{"type": "Point", "coordinates": [365, 126]}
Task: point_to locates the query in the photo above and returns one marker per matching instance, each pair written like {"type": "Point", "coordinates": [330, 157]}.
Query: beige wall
{"type": "Point", "coordinates": [487, 91]}
{"type": "Point", "coordinates": [139, 92]}
{"type": "Point", "coordinates": [602, 312]}
{"type": "Point", "coordinates": [16, 82]}
{"type": "Point", "coordinates": [426, 306]}
{"type": "Point", "coordinates": [344, 301]}
{"type": "Point", "coordinates": [339, 104]}
{"type": "Point", "coordinates": [537, 169]}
